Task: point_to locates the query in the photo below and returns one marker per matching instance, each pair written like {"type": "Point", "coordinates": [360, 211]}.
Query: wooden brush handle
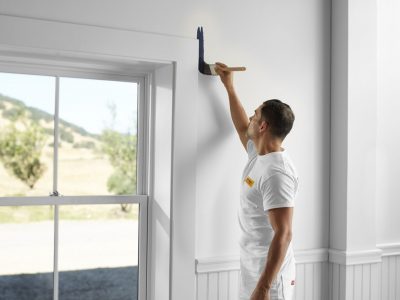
{"type": "Point", "coordinates": [235, 68]}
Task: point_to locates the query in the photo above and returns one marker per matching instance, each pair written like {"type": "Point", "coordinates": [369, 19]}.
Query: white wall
{"type": "Point", "coordinates": [287, 56]}
{"type": "Point", "coordinates": [388, 134]}
{"type": "Point", "coordinates": [286, 52]}
{"type": "Point", "coordinates": [285, 46]}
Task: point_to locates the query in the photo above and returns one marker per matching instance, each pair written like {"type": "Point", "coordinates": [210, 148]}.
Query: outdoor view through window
{"type": "Point", "coordinates": [97, 142]}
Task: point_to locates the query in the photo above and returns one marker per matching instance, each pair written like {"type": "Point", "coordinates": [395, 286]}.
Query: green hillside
{"type": "Point", "coordinates": [37, 115]}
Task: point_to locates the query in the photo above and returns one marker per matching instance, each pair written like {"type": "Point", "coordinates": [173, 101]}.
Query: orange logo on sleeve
{"type": "Point", "coordinates": [249, 181]}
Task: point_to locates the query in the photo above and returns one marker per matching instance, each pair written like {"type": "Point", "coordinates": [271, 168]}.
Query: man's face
{"type": "Point", "coordinates": [255, 122]}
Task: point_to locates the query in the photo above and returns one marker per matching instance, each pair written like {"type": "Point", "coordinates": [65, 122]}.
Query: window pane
{"type": "Point", "coordinates": [97, 129]}
{"type": "Point", "coordinates": [26, 252]}
{"type": "Point", "coordinates": [98, 252]}
{"type": "Point", "coordinates": [26, 134]}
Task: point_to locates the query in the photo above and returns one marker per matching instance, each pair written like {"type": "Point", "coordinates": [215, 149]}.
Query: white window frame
{"type": "Point", "coordinates": [144, 52]}
{"type": "Point", "coordinates": [104, 72]}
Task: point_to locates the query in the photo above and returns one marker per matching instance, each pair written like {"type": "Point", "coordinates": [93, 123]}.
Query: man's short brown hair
{"type": "Point", "coordinates": [279, 116]}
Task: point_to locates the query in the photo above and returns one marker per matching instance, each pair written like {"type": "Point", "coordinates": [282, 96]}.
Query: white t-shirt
{"type": "Point", "coordinates": [268, 181]}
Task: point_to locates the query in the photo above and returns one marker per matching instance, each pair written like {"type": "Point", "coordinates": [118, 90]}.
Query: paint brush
{"type": "Point", "coordinates": [205, 68]}
{"type": "Point", "coordinates": [209, 69]}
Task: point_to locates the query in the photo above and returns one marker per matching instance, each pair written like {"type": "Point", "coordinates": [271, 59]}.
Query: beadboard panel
{"type": "Point", "coordinates": [358, 282]}
{"type": "Point", "coordinates": [222, 285]}
{"type": "Point", "coordinates": [390, 278]}
{"type": "Point", "coordinates": [321, 279]}
{"type": "Point", "coordinates": [311, 282]}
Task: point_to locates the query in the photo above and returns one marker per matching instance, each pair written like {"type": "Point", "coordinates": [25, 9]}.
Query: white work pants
{"type": "Point", "coordinates": [282, 287]}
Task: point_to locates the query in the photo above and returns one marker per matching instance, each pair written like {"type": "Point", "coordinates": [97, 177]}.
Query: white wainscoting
{"type": "Point", "coordinates": [390, 272]}
{"type": "Point", "coordinates": [354, 275]}
{"type": "Point", "coordinates": [218, 277]}
{"type": "Point", "coordinates": [321, 274]}
{"type": "Point", "coordinates": [361, 281]}
{"type": "Point", "coordinates": [387, 286]}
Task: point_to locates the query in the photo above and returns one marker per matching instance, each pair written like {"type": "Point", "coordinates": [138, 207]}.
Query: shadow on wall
{"type": "Point", "coordinates": [99, 284]}
{"type": "Point", "coordinates": [210, 103]}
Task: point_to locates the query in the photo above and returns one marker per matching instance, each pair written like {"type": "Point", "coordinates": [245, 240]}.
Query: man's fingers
{"type": "Point", "coordinates": [221, 65]}
{"type": "Point", "coordinates": [218, 70]}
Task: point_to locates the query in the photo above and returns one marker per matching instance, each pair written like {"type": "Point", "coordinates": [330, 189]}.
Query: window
{"type": "Point", "coordinates": [73, 216]}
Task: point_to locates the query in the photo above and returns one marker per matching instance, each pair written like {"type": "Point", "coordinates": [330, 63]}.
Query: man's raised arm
{"type": "Point", "coordinates": [238, 114]}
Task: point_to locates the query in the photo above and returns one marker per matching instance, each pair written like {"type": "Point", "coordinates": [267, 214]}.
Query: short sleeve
{"type": "Point", "coordinates": [251, 148]}
{"type": "Point", "coordinates": [279, 190]}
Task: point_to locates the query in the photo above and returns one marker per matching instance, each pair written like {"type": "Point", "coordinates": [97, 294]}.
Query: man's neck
{"type": "Point", "coordinates": [267, 146]}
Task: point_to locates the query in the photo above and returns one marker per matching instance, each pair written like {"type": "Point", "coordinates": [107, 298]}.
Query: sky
{"type": "Point", "coordinates": [83, 102]}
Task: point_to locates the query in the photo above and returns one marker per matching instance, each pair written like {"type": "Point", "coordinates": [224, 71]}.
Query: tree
{"type": "Point", "coordinates": [121, 151]}
{"type": "Point", "coordinates": [20, 149]}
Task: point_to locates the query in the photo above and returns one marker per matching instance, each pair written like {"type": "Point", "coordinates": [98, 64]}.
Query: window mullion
{"type": "Point", "coordinates": [55, 187]}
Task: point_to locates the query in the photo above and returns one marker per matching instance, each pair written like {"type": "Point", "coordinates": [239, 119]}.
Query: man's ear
{"type": "Point", "coordinates": [264, 126]}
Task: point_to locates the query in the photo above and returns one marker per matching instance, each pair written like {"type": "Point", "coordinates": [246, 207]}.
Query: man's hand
{"type": "Point", "coordinates": [260, 293]}
{"type": "Point", "coordinates": [225, 75]}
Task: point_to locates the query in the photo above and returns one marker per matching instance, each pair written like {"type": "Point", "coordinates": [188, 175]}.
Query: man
{"type": "Point", "coordinates": [268, 190]}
